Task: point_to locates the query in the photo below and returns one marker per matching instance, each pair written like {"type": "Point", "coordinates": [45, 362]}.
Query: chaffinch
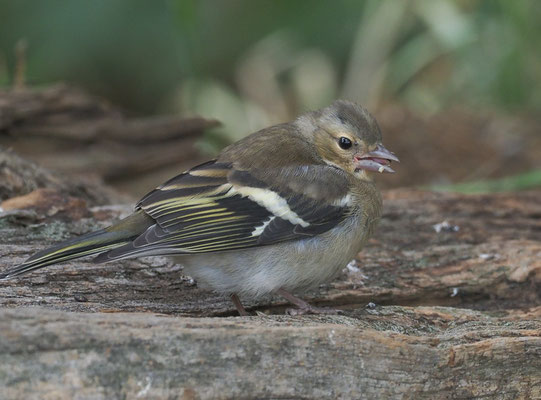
{"type": "Point", "coordinates": [284, 209]}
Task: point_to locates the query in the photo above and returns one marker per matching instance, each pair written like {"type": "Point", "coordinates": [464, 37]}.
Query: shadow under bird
{"type": "Point", "coordinates": [282, 210]}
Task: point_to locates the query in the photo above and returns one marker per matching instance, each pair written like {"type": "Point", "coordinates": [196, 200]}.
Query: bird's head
{"type": "Point", "coordinates": [346, 136]}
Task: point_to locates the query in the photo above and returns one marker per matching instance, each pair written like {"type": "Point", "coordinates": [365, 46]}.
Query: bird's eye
{"type": "Point", "coordinates": [344, 143]}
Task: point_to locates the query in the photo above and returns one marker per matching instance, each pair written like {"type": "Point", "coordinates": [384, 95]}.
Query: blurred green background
{"type": "Point", "coordinates": [251, 63]}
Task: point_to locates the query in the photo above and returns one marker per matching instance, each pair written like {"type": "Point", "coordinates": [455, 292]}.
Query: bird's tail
{"type": "Point", "coordinates": [85, 245]}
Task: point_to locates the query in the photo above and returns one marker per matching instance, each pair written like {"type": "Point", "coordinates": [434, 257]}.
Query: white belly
{"type": "Point", "coordinates": [293, 266]}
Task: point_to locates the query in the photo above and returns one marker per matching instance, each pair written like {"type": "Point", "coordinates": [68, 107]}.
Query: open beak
{"type": "Point", "coordinates": [378, 160]}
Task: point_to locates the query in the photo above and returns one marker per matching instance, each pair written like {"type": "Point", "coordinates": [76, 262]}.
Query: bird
{"type": "Point", "coordinates": [278, 212]}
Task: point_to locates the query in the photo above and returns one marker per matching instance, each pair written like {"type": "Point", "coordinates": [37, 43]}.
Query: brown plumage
{"type": "Point", "coordinates": [281, 210]}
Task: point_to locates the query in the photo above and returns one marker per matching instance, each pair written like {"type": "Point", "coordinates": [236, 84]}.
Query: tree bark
{"type": "Point", "coordinates": [444, 302]}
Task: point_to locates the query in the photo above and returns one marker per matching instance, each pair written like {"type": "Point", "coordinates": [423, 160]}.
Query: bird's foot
{"type": "Point", "coordinates": [305, 307]}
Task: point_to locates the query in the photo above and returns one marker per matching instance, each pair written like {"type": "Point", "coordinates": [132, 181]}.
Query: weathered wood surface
{"type": "Point", "coordinates": [456, 314]}
{"type": "Point", "coordinates": [388, 352]}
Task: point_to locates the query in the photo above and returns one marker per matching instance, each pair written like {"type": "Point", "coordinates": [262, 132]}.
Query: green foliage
{"type": "Point", "coordinates": [428, 53]}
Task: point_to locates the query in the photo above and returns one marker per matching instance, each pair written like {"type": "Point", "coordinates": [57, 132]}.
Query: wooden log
{"type": "Point", "coordinates": [72, 132]}
{"type": "Point", "coordinates": [19, 176]}
{"type": "Point", "coordinates": [388, 352]}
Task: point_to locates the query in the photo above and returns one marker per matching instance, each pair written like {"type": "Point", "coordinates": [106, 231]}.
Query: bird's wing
{"type": "Point", "coordinates": [215, 207]}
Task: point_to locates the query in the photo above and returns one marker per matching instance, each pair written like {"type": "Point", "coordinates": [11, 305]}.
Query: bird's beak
{"type": "Point", "coordinates": [378, 160]}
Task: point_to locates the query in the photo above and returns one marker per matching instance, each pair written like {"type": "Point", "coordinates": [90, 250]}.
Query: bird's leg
{"type": "Point", "coordinates": [303, 306]}
{"type": "Point", "coordinates": [238, 305]}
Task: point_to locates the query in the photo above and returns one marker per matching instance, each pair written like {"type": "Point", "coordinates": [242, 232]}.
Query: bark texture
{"type": "Point", "coordinates": [388, 352]}
{"type": "Point", "coordinates": [444, 302]}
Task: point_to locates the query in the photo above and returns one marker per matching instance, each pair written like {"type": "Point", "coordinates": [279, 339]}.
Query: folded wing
{"type": "Point", "coordinates": [215, 207]}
